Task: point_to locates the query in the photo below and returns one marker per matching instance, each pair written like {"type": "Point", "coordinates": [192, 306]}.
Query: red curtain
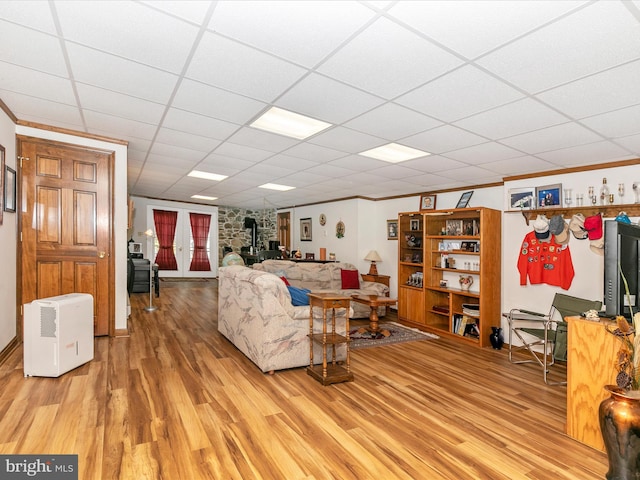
{"type": "Point", "coordinates": [200, 223]}
{"type": "Point", "coordinates": [165, 222]}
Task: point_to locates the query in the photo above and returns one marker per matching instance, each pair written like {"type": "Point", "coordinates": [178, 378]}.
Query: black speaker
{"type": "Point", "coordinates": [274, 244]}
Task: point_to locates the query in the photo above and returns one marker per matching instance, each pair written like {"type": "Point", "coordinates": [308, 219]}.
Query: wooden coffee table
{"type": "Point", "coordinates": [374, 301]}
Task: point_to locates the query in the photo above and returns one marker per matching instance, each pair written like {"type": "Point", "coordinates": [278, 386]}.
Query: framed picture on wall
{"type": "Point", "coordinates": [305, 229]}
{"type": "Point", "coordinates": [9, 190]}
{"type": "Point", "coordinates": [392, 229]}
{"type": "Point", "coordinates": [427, 202]}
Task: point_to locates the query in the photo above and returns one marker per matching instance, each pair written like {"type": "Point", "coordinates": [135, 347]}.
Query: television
{"type": "Point", "coordinates": [621, 247]}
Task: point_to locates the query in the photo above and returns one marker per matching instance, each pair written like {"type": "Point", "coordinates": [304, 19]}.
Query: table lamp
{"type": "Point", "coordinates": [373, 257]}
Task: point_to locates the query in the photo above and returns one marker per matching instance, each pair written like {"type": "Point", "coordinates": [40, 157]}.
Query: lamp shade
{"type": "Point", "coordinates": [373, 256]}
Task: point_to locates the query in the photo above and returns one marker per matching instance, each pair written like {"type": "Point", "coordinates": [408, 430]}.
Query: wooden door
{"type": "Point", "coordinates": [284, 229]}
{"type": "Point", "coordinates": [66, 219]}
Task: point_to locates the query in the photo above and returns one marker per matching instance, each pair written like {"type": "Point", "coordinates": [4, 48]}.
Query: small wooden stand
{"type": "Point", "coordinates": [328, 373]}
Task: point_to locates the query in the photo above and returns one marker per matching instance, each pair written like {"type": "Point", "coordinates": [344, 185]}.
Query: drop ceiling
{"type": "Point", "coordinates": [490, 89]}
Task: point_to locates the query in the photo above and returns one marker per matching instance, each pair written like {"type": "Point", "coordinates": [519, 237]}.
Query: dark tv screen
{"type": "Point", "coordinates": [621, 247]}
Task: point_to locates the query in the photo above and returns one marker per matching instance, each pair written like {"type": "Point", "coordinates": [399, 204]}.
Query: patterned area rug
{"type": "Point", "coordinates": [361, 338]}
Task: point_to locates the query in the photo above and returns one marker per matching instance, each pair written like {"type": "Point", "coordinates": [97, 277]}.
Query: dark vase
{"type": "Point", "coordinates": [496, 338]}
{"type": "Point", "coordinates": [620, 426]}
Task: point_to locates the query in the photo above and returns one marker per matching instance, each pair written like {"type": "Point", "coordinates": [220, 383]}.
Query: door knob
{"type": "Point", "coordinates": [102, 254]}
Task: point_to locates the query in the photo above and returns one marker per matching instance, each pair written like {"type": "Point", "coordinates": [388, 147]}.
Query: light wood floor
{"type": "Point", "coordinates": [176, 400]}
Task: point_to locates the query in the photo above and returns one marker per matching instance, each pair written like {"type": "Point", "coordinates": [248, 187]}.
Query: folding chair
{"type": "Point", "coordinates": [533, 329]}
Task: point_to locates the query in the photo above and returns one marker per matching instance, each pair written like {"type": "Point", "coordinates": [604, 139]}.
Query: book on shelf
{"type": "Point", "coordinates": [471, 309]}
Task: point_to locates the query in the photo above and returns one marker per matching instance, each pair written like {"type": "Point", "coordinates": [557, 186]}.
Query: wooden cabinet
{"type": "Point", "coordinates": [435, 250]}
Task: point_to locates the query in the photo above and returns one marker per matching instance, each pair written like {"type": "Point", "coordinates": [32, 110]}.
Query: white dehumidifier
{"type": "Point", "coordinates": [58, 334]}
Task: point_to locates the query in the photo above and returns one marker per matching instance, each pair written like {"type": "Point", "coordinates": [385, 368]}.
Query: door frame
{"type": "Point", "coordinates": [184, 228]}
{"type": "Point", "coordinates": [111, 233]}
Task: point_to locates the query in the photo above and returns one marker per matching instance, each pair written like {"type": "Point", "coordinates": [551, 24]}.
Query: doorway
{"type": "Point", "coordinates": [284, 229]}
{"type": "Point", "coordinates": [184, 247]}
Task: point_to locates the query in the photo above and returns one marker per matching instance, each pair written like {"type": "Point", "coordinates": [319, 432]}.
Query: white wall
{"type": "Point", "coordinates": [8, 229]}
{"type": "Point", "coordinates": [120, 209]}
{"type": "Point", "coordinates": [589, 266]}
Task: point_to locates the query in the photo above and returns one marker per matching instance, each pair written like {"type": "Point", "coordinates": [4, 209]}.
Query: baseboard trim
{"type": "Point", "coordinates": [8, 350]}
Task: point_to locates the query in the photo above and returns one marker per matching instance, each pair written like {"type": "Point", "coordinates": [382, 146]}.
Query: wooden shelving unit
{"type": "Point", "coordinates": [436, 304]}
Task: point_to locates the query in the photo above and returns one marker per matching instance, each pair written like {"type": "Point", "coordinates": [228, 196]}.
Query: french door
{"type": "Point", "coordinates": [184, 246]}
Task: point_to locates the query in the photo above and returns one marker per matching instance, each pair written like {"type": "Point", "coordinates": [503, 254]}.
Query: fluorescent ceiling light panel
{"type": "Point", "coordinates": [207, 175]}
{"type": "Point", "coordinates": [275, 186]}
{"type": "Point", "coordinates": [283, 122]}
{"type": "Point", "coordinates": [394, 153]}
{"type": "Point", "coordinates": [203, 197]}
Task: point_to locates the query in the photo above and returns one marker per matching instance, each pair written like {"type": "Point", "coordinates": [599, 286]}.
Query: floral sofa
{"type": "Point", "coordinates": [255, 313]}
{"type": "Point", "coordinates": [324, 277]}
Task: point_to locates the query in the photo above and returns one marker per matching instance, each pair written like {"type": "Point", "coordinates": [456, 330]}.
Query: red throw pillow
{"type": "Point", "coordinates": [350, 279]}
{"type": "Point", "coordinates": [286, 282]}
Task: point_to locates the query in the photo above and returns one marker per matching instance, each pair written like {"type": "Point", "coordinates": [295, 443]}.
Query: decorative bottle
{"type": "Point", "coordinates": [604, 192]}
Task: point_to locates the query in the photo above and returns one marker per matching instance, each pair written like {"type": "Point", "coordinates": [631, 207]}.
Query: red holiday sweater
{"type": "Point", "coordinates": [545, 262]}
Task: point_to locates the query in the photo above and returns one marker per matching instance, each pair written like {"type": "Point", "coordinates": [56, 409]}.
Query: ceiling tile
{"type": "Point", "coordinates": [315, 153]}
{"type": "Point", "coordinates": [358, 163]}
{"type": "Point", "coordinates": [552, 138]}
{"type": "Point", "coordinates": [242, 152]}
{"type": "Point", "coordinates": [224, 63]}
{"type": "Point", "coordinates": [618, 123]}
{"type": "Point", "coordinates": [286, 161]}
{"type": "Point", "coordinates": [198, 124]}
{"type": "Point", "coordinates": [483, 153]}
{"type": "Point", "coordinates": [458, 94]}
{"type": "Point", "coordinates": [328, 100]}
{"type": "Point", "coordinates": [117, 104]}
{"type": "Point", "coordinates": [476, 27]}
{"type": "Point", "coordinates": [405, 122]}
{"type": "Point", "coordinates": [611, 90]}
{"type": "Point", "coordinates": [388, 60]}
{"type": "Point", "coordinates": [632, 143]}
{"type": "Point", "coordinates": [577, 46]}
{"type": "Point", "coordinates": [433, 163]}
{"type": "Point", "coordinates": [186, 140]}
{"type": "Point", "coordinates": [292, 27]}
{"type": "Point", "coordinates": [264, 140]}
{"type": "Point", "coordinates": [135, 31]}
{"type": "Point", "coordinates": [191, 10]}
{"type": "Point", "coordinates": [35, 15]}
{"type": "Point", "coordinates": [118, 126]}
{"type": "Point", "coordinates": [36, 84]}
{"type": "Point", "coordinates": [23, 106]}
{"type": "Point", "coordinates": [121, 75]}
{"type": "Point", "coordinates": [517, 117]}
{"type": "Point", "coordinates": [346, 140]}
{"type": "Point", "coordinates": [213, 102]}
{"type": "Point", "coordinates": [584, 154]}
{"type": "Point", "coordinates": [39, 52]}
{"type": "Point", "coordinates": [443, 139]}
{"type": "Point", "coordinates": [519, 166]}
